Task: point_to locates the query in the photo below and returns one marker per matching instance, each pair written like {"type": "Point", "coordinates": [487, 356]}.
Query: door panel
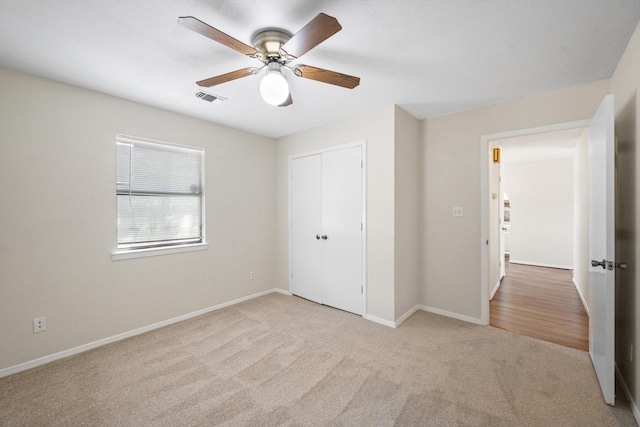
{"type": "Point", "coordinates": [306, 223]}
{"type": "Point", "coordinates": [602, 246]}
{"type": "Point", "coordinates": [342, 225]}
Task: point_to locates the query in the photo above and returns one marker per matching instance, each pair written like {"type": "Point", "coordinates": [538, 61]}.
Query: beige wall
{"type": "Point", "coordinates": [625, 85]}
{"type": "Point", "coordinates": [377, 129]}
{"type": "Point", "coordinates": [451, 270]}
{"type": "Point", "coordinates": [407, 227]}
{"type": "Point", "coordinates": [58, 219]}
{"type": "Point", "coordinates": [392, 146]}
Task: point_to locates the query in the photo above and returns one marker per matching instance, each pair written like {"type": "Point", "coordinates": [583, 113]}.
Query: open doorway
{"type": "Point", "coordinates": [538, 197]}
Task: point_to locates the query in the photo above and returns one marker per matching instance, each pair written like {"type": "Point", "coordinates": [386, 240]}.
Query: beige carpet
{"type": "Point", "coordinates": [281, 360]}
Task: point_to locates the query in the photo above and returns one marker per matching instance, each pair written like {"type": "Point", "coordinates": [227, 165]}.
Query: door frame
{"type": "Point", "coordinates": [485, 216]}
{"type": "Point", "coordinates": [363, 145]}
{"type": "Point", "coordinates": [501, 226]}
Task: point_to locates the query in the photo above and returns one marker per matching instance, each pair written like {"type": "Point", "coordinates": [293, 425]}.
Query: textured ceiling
{"type": "Point", "coordinates": [431, 57]}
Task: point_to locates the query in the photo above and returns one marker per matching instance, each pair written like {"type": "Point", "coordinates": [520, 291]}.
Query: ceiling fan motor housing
{"type": "Point", "coordinates": [269, 42]}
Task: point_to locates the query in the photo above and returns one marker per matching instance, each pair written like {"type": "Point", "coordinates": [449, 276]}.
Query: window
{"type": "Point", "coordinates": [159, 194]}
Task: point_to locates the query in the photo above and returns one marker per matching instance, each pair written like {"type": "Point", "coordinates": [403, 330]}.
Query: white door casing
{"type": "Point", "coordinates": [501, 223]}
{"type": "Point", "coordinates": [602, 246]}
{"type": "Point", "coordinates": [486, 213]}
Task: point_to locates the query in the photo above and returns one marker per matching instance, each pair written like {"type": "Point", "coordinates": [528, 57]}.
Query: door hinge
{"type": "Point", "coordinates": [361, 226]}
{"type": "Point", "coordinates": [361, 289]}
{"type": "Point", "coordinates": [361, 164]}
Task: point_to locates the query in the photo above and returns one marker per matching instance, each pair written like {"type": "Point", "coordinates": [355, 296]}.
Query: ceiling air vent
{"type": "Point", "coordinates": [210, 98]}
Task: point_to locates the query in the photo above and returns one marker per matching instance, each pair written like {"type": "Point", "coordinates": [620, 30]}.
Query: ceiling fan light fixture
{"type": "Point", "coordinates": [276, 48]}
{"type": "Point", "coordinates": [274, 88]}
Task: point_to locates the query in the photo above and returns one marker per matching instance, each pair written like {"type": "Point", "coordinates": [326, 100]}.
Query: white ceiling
{"type": "Point", "coordinates": [430, 57]}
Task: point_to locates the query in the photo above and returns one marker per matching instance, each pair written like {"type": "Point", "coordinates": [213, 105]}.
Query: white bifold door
{"type": "Point", "coordinates": [326, 226]}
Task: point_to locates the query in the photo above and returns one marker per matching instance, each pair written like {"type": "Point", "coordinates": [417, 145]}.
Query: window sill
{"type": "Point", "coordinates": [143, 253]}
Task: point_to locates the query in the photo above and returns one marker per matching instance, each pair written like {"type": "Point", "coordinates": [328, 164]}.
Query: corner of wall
{"type": "Point", "coordinates": [406, 211]}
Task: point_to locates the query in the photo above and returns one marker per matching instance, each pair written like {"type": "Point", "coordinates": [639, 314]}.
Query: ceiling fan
{"type": "Point", "coordinates": [276, 49]}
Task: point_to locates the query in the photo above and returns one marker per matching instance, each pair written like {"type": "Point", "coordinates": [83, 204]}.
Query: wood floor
{"type": "Point", "coordinates": [542, 303]}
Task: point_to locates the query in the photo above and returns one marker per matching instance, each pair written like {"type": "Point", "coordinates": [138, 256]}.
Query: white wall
{"type": "Point", "coordinates": [451, 247]}
{"type": "Point", "coordinates": [377, 128]}
{"type": "Point", "coordinates": [541, 197]}
{"type": "Point", "coordinates": [407, 227]}
{"type": "Point", "coordinates": [58, 219]}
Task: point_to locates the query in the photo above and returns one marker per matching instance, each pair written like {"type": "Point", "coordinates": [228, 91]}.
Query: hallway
{"type": "Point", "coordinates": [541, 303]}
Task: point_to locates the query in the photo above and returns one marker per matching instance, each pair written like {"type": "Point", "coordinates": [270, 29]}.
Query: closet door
{"type": "Point", "coordinates": [342, 229]}
{"type": "Point", "coordinates": [306, 226]}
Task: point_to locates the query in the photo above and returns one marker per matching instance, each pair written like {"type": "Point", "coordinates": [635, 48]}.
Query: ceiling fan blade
{"type": "Point", "coordinates": [311, 35]}
{"type": "Point", "coordinates": [326, 76]}
{"type": "Point", "coordinates": [223, 78]}
{"type": "Point", "coordinates": [214, 34]}
{"type": "Point", "coordinates": [287, 102]}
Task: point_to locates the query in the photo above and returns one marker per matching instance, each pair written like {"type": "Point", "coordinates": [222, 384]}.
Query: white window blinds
{"type": "Point", "coordinates": [159, 194]}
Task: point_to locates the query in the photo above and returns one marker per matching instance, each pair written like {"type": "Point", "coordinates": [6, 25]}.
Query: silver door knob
{"type": "Point", "coordinates": [602, 263]}
{"type": "Point", "coordinates": [621, 265]}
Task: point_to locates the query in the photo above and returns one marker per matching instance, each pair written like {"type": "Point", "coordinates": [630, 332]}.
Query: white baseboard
{"type": "Point", "coordinates": [495, 289]}
{"type": "Point", "coordinates": [584, 302]}
{"type": "Point", "coordinates": [405, 316]}
{"type": "Point", "coordinates": [627, 393]}
{"type": "Point", "coordinates": [541, 264]}
{"type": "Point", "coordinates": [450, 314]}
{"type": "Point", "coordinates": [390, 323]}
{"type": "Point", "coordinates": [380, 320]}
{"type": "Point", "coordinates": [82, 348]}
{"type": "Point", "coordinates": [280, 291]}
{"type": "Point", "coordinates": [424, 308]}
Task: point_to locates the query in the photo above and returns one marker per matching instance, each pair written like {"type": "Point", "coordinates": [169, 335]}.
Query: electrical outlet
{"type": "Point", "coordinates": [456, 211]}
{"type": "Point", "coordinates": [39, 325]}
{"type": "Point", "coordinates": [252, 275]}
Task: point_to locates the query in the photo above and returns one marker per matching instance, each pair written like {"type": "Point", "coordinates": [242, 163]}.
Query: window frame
{"type": "Point", "coordinates": [128, 253]}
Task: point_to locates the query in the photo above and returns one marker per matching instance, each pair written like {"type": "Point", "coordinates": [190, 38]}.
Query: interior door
{"type": "Point", "coordinates": [342, 229]}
{"type": "Point", "coordinates": [306, 226]}
{"type": "Point", "coordinates": [602, 246]}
